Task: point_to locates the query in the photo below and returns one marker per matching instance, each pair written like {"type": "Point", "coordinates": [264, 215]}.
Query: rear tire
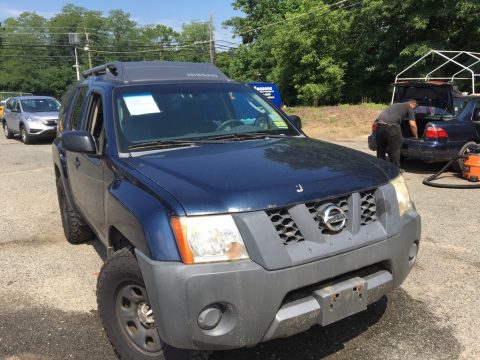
{"type": "Point", "coordinates": [24, 134]}
{"type": "Point", "coordinates": [457, 166]}
{"type": "Point", "coordinates": [126, 315]}
{"type": "Point", "coordinates": [8, 134]}
{"type": "Point", "coordinates": [75, 229]}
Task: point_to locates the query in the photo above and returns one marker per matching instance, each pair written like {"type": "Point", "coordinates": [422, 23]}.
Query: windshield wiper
{"type": "Point", "coordinates": [166, 144]}
{"type": "Point", "coordinates": [246, 136]}
{"type": "Point", "coordinates": [211, 140]}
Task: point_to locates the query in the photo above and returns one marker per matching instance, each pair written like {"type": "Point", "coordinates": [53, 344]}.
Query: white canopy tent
{"type": "Point", "coordinates": [464, 63]}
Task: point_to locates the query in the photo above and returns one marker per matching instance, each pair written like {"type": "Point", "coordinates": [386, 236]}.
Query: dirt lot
{"type": "Point", "coordinates": [47, 287]}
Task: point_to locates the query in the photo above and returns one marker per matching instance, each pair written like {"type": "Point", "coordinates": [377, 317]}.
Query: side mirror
{"type": "Point", "coordinates": [296, 121]}
{"type": "Point", "coordinates": [79, 142]}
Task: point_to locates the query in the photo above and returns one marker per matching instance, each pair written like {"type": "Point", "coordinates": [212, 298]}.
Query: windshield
{"type": "Point", "coordinates": [193, 112]}
{"type": "Point", "coordinates": [40, 105]}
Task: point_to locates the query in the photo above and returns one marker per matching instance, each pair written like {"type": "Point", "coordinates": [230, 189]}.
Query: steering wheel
{"type": "Point", "coordinates": [229, 124]}
{"type": "Point", "coordinates": [262, 122]}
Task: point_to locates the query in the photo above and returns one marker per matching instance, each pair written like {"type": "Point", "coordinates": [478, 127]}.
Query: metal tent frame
{"type": "Point", "coordinates": [450, 56]}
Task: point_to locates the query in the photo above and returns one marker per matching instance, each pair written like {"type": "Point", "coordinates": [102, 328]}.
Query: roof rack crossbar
{"type": "Point", "coordinates": [110, 68]}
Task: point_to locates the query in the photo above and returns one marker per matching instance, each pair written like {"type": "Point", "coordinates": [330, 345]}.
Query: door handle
{"type": "Point", "coordinates": [77, 163]}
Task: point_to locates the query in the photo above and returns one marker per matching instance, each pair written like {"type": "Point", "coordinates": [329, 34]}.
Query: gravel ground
{"type": "Point", "coordinates": [47, 286]}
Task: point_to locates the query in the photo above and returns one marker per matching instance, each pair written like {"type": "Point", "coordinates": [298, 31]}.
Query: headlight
{"type": "Point", "coordinates": [403, 196]}
{"type": "Point", "coordinates": [204, 239]}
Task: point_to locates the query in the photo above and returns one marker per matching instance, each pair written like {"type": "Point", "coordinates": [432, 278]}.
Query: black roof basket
{"type": "Point", "coordinates": [149, 71]}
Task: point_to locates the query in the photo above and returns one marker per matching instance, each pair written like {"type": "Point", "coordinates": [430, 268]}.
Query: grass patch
{"type": "Point", "coordinates": [344, 121]}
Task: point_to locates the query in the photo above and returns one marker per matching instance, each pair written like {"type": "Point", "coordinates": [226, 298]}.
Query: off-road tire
{"type": "Point", "coordinates": [8, 134]}
{"type": "Point", "coordinates": [120, 272]}
{"type": "Point", "coordinates": [457, 166]}
{"type": "Point", "coordinates": [27, 140]}
{"type": "Point", "coordinates": [75, 229]}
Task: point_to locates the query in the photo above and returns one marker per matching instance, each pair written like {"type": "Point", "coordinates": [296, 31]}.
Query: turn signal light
{"type": "Point", "coordinates": [434, 132]}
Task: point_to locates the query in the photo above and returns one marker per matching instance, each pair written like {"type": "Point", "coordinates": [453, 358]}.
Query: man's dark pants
{"type": "Point", "coordinates": [389, 139]}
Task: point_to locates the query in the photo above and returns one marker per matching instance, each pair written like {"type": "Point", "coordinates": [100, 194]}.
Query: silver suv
{"type": "Point", "coordinates": [31, 117]}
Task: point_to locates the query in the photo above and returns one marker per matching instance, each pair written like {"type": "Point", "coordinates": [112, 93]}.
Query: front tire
{"type": "Point", "coordinates": [24, 134]}
{"type": "Point", "coordinates": [75, 229]}
{"type": "Point", "coordinates": [8, 134]}
{"type": "Point", "coordinates": [126, 315]}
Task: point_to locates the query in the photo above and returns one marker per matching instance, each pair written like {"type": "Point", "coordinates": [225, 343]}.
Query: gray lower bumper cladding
{"type": "Point", "coordinates": [329, 304]}
{"type": "Point", "coordinates": [232, 305]}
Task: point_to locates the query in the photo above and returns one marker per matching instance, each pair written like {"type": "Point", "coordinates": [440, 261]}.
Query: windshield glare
{"type": "Point", "coordinates": [193, 112]}
{"type": "Point", "coordinates": [40, 105]}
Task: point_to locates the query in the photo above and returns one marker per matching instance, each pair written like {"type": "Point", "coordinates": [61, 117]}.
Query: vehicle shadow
{"type": "Point", "coordinates": [420, 167]}
{"type": "Point", "coordinates": [397, 326]}
{"type": "Point", "coordinates": [316, 343]}
{"type": "Point", "coordinates": [34, 142]}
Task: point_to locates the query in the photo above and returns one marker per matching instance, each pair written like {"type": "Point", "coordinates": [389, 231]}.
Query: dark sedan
{"type": "Point", "coordinates": [447, 122]}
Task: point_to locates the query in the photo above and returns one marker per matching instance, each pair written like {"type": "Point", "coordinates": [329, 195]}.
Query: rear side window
{"type": "Point", "coordinates": [77, 109]}
{"type": "Point", "coordinates": [64, 108]}
{"type": "Point", "coordinates": [476, 112]}
{"type": "Point", "coordinates": [9, 104]}
{"type": "Point", "coordinates": [94, 121]}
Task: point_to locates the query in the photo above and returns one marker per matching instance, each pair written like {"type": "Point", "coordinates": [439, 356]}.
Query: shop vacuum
{"type": "Point", "coordinates": [470, 171]}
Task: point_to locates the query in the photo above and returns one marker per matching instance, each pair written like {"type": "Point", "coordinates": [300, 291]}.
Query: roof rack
{"type": "Point", "coordinates": [149, 71]}
{"type": "Point", "coordinates": [110, 68]}
{"type": "Point", "coordinates": [450, 57]}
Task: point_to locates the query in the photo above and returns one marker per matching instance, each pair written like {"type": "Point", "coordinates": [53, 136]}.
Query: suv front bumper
{"type": "Point", "coordinates": [38, 129]}
{"type": "Point", "coordinates": [259, 305]}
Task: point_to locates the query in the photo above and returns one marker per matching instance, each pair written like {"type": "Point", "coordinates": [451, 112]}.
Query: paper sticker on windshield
{"type": "Point", "coordinates": [278, 121]}
{"type": "Point", "coordinates": [140, 104]}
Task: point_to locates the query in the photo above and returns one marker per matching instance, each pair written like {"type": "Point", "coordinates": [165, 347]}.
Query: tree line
{"type": "Point", "coordinates": [317, 51]}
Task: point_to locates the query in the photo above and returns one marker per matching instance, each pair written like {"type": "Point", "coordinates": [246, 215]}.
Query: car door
{"type": "Point", "coordinates": [476, 118]}
{"type": "Point", "coordinates": [17, 115]}
{"type": "Point", "coordinates": [88, 169]}
{"type": "Point", "coordinates": [11, 115]}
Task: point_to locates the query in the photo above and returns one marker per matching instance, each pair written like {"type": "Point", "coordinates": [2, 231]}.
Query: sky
{"type": "Point", "coordinates": [167, 12]}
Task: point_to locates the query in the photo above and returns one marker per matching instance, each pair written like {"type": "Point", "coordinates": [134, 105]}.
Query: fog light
{"type": "Point", "coordinates": [209, 318]}
{"type": "Point", "coordinates": [412, 254]}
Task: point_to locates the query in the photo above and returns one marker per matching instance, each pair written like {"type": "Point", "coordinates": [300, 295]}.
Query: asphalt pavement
{"type": "Point", "coordinates": [47, 287]}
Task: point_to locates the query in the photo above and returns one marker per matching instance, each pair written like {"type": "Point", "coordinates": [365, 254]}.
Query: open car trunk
{"type": "Point", "coordinates": [422, 120]}
{"type": "Point", "coordinates": [434, 100]}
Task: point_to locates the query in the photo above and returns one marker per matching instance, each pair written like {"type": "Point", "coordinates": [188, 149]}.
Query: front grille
{"type": "Point", "coordinates": [285, 226]}
{"type": "Point", "coordinates": [290, 233]}
{"type": "Point", "coordinates": [315, 207]}
{"type": "Point", "coordinates": [368, 207]}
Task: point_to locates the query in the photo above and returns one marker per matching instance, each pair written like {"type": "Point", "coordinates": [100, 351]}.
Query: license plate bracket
{"type": "Point", "coordinates": [342, 299]}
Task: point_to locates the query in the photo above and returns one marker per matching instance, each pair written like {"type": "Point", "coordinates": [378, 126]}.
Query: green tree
{"type": "Point", "coordinates": [193, 42]}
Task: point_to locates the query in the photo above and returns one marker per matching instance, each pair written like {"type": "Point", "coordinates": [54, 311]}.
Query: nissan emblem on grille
{"type": "Point", "coordinates": [333, 217]}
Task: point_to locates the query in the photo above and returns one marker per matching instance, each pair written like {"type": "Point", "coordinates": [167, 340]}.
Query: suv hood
{"type": "Point", "coordinates": [254, 175]}
{"type": "Point", "coordinates": [45, 115]}
{"type": "Point", "coordinates": [431, 93]}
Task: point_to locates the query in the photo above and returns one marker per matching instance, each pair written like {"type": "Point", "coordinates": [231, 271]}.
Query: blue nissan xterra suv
{"type": "Point", "coordinates": [225, 225]}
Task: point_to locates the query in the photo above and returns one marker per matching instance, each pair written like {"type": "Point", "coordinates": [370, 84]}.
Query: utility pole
{"type": "Point", "coordinates": [76, 66]}
{"type": "Point", "coordinates": [212, 42]}
{"type": "Point", "coordinates": [74, 39]}
{"type": "Point", "coordinates": [87, 49]}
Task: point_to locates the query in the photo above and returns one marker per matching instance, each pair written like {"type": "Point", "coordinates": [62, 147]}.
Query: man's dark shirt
{"type": "Point", "coordinates": [395, 113]}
